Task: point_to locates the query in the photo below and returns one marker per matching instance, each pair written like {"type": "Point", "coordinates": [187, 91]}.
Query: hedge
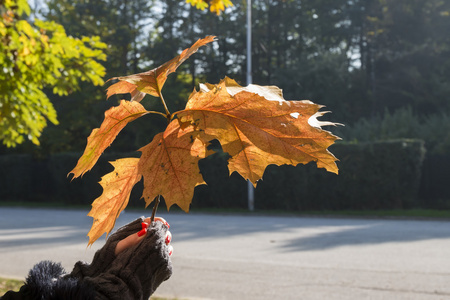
{"type": "Point", "coordinates": [381, 175]}
{"type": "Point", "coordinates": [25, 179]}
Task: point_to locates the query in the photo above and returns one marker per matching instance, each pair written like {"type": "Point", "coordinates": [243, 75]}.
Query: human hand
{"type": "Point", "coordinates": [134, 261]}
{"type": "Point", "coordinates": [135, 238]}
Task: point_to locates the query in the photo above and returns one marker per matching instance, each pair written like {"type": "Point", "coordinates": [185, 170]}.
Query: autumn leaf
{"type": "Point", "coordinates": [116, 118]}
{"type": "Point", "coordinates": [117, 187]}
{"type": "Point", "coordinates": [257, 132]}
{"type": "Point", "coordinates": [169, 165]}
{"type": "Point", "coordinates": [152, 82]}
{"type": "Point", "coordinates": [255, 125]}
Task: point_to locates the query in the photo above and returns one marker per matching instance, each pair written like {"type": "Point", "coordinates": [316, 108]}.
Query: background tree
{"type": "Point", "coordinates": [357, 57]}
{"type": "Point", "coordinates": [381, 66]}
{"type": "Point", "coordinates": [34, 57]}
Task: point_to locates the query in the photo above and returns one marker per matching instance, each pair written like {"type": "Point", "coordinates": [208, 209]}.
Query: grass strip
{"type": "Point", "coordinates": [7, 284]}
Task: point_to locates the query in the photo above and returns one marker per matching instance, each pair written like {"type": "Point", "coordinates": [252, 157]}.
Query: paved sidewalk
{"type": "Point", "coordinates": [237, 257]}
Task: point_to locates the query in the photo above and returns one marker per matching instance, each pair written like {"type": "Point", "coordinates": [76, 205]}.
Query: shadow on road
{"type": "Point", "coordinates": [372, 233]}
{"type": "Point", "coordinates": [44, 227]}
{"type": "Point", "coordinates": [306, 234]}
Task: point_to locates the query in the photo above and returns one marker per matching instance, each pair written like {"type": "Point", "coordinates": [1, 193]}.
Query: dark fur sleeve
{"type": "Point", "coordinates": [45, 282]}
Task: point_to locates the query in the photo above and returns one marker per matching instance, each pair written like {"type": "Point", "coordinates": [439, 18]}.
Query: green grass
{"type": "Point", "coordinates": [9, 284]}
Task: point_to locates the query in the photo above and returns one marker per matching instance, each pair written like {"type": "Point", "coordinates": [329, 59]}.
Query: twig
{"type": "Point", "coordinates": [155, 207]}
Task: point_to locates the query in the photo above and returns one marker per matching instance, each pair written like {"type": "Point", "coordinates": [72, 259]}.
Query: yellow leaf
{"type": "Point", "coordinates": [169, 165]}
{"type": "Point", "coordinates": [152, 82]}
{"type": "Point", "coordinates": [255, 125]}
{"type": "Point", "coordinates": [115, 120]}
{"type": "Point", "coordinates": [117, 187]}
{"type": "Point", "coordinates": [257, 132]}
{"type": "Point", "coordinates": [218, 6]}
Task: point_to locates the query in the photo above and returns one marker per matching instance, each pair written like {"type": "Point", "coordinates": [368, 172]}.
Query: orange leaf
{"type": "Point", "coordinates": [115, 120]}
{"type": "Point", "coordinates": [257, 132]}
{"type": "Point", "coordinates": [255, 125]}
{"type": "Point", "coordinates": [124, 87]}
{"type": "Point", "coordinates": [117, 187]}
{"type": "Point", "coordinates": [169, 165]}
{"type": "Point", "coordinates": [151, 82]}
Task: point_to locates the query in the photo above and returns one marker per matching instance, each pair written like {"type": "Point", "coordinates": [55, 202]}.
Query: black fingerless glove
{"type": "Point", "coordinates": [134, 273]}
{"type": "Point", "coordinates": [104, 257]}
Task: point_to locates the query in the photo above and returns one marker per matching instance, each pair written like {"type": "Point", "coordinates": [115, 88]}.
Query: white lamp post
{"type": "Point", "coordinates": [250, 188]}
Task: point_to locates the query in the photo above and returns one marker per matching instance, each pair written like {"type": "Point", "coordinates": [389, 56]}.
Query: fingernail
{"type": "Point", "coordinates": [142, 232]}
{"type": "Point", "coordinates": [170, 250]}
{"type": "Point", "coordinates": [168, 237]}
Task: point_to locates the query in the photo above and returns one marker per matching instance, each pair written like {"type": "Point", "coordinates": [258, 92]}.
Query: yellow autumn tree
{"type": "Point", "coordinates": [35, 56]}
{"type": "Point", "coordinates": [215, 6]}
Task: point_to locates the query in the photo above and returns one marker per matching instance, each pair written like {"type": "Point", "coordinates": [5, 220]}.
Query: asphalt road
{"type": "Point", "coordinates": [237, 257]}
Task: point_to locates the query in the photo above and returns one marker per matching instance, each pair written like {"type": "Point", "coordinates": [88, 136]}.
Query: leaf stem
{"type": "Point", "coordinates": [158, 113]}
{"type": "Point", "coordinates": [155, 207]}
{"type": "Point", "coordinates": [168, 115]}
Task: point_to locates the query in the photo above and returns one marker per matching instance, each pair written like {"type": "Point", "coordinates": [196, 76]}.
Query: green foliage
{"type": "Point", "coordinates": [34, 57]}
{"type": "Point", "coordinates": [358, 58]}
{"type": "Point", "coordinates": [45, 180]}
{"type": "Point", "coordinates": [382, 67]}
{"type": "Point", "coordinates": [216, 6]}
{"type": "Point", "coordinates": [16, 179]}
{"type": "Point", "coordinates": [383, 175]}
{"type": "Point", "coordinates": [405, 54]}
{"type": "Point", "coordinates": [403, 123]}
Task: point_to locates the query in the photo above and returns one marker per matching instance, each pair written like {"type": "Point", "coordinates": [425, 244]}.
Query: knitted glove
{"type": "Point", "coordinates": [136, 272]}
{"type": "Point", "coordinates": [104, 257]}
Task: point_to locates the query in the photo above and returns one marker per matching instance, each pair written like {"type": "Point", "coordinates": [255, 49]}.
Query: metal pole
{"type": "Point", "coordinates": [250, 189]}
{"type": "Point", "coordinates": [249, 41]}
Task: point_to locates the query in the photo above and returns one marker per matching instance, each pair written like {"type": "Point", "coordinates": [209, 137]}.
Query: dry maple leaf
{"type": "Point", "coordinates": [152, 82]}
{"type": "Point", "coordinates": [117, 187]}
{"type": "Point", "coordinates": [116, 118]}
{"type": "Point", "coordinates": [253, 124]}
{"type": "Point", "coordinates": [169, 165]}
{"type": "Point", "coordinates": [256, 131]}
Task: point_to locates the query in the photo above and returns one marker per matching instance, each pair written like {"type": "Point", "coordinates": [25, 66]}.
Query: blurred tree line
{"type": "Point", "coordinates": [371, 62]}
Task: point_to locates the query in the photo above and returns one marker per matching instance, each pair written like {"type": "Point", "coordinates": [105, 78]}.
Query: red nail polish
{"type": "Point", "coordinates": [168, 239]}
{"type": "Point", "coordinates": [142, 232]}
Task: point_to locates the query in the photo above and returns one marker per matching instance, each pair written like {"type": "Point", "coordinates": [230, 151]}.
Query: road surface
{"type": "Point", "coordinates": [257, 257]}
